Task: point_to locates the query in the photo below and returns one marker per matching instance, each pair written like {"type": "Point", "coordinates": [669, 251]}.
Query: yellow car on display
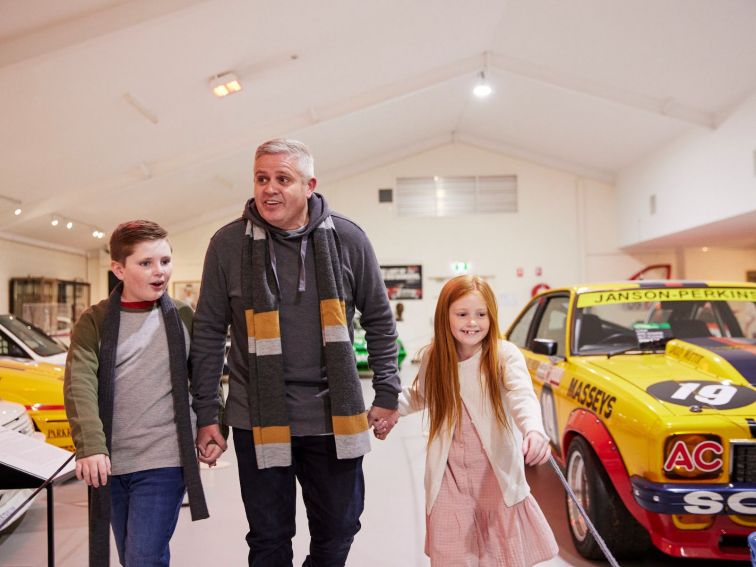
{"type": "Point", "coordinates": [38, 386]}
{"type": "Point", "coordinates": [648, 396]}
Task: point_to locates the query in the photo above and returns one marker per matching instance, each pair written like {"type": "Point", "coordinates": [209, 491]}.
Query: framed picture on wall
{"type": "Point", "coordinates": [187, 291]}
{"type": "Point", "coordinates": [403, 282]}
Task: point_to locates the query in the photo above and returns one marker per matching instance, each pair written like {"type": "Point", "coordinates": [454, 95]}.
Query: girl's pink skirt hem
{"type": "Point", "coordinates": [469, 524]}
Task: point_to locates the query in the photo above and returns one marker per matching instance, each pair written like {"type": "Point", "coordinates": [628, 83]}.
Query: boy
{"type": "Point", "coordinates": [127, 399]}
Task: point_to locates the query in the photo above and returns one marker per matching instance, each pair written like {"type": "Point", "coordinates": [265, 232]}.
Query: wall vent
{"type": "Point", "coordinates": [385, 195]}
{"type": "Point", "coordinates": [456, 195]}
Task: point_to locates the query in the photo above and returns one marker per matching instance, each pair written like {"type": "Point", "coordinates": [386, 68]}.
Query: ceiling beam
{"type": "Point", "coordinates": [667, 108]}
{"type": "Point", "coordinates": [84, 27]}
{"type": "Point", "coordinates": [516, 152]}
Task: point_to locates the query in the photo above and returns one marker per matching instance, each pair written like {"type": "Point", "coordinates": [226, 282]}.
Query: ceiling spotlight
{"type": "Point", "coordinates": [97, 233]}
{"type": "Point", "coordinates": [482, 89]}
{"type": "Point", "coordinates": [17, 211]}
{"type": "Point", "coordinates": [225, 84]}
{"type": "Point", "coordinates": [55, 221]}
{"type": "Point", "coordinates": [69, 225]}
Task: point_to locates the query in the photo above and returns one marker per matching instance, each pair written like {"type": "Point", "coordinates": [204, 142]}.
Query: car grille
{"type": "Point", "coordinates": [743, 463]}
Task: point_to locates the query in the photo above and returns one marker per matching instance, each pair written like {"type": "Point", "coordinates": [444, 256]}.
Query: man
{"type": "Point", "coordinates": [288, 277]}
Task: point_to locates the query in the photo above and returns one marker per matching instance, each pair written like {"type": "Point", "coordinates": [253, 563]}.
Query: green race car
{"type": "Point", "coordinates": [361, 352]}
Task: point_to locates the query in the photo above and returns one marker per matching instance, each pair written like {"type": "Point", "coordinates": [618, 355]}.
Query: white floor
{"type": "Point", "coordinates": [392, 525]}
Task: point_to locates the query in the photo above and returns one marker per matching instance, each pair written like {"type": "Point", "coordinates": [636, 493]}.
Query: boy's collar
{"type": "Point", "coordinates": [137, 304]}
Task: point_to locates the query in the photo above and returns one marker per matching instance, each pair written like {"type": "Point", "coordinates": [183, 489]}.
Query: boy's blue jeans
{"type": "Point", "coordinates": [144, 511]}
{"type": "Point", "coordinates": [334, 495]}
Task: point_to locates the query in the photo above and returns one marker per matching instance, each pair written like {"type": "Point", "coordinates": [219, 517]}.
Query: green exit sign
{"type": "Point", "coordinates": [460, 268]}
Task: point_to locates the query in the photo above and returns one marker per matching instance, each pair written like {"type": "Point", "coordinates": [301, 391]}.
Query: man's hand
{"type": "Point", "coordinates": [382, 421]}
{"type": "Point", "coordinates": [93, 470]}
{"type": "Point", "coordinates": [536, 448]}
{"type": "Point", "coordinates": [210, 444]}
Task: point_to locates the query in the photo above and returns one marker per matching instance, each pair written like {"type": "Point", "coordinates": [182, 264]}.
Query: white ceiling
{"type": "Point", "coordinates": [106, 111]}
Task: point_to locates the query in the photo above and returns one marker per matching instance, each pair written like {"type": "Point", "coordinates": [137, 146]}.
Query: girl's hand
{"type": "Point", "coordinates": [536, 448]}
{"type": "Point", "coordinates": [94, 470]}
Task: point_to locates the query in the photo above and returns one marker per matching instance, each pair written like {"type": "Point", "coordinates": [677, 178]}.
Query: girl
{"type": "Point", "coordinates": [480, 404]}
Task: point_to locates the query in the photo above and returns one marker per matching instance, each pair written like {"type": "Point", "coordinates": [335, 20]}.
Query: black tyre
{"type": "Point", "coordinates": [624, 536]}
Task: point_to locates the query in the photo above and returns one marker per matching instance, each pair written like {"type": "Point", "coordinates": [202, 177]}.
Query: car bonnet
{"type": "Point", "coordinates": [691, 376]}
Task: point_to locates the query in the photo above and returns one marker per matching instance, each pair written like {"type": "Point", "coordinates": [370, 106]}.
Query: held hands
{"type": "Point", "coordinates": [536, 448]}
{"type": "Point", "coordinates": [382, 421]}
{"type": "Point", "coordinates": [210, 444]}
{"type": "Point", "coordinates": [94, 470]}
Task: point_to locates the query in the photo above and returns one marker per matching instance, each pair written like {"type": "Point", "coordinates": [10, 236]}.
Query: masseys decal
{"type": "Point", "coordinates": [706, 393]}
{"type": "Point", "coordinates": [591, 397]}
{"type": "Point", "coordinates": [705, 456]}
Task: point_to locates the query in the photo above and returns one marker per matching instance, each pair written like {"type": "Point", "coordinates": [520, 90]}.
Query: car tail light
{"type": "Point", "coordinates": [45, 407]}
{"type": "Point", "coordinates": [693, 456]}
{"type": "Point", "coordinates": [692, 521]}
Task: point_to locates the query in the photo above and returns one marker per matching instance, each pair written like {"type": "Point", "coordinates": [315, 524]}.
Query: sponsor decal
{"type": "Point", "coordinates": [706, 457]}
{"type": "Point", "coordinates": [677, 498]}
{"type": "Point", "coordinates": [710, 502]}
{"type": "Point", "coordinates": [549, 416]}
{"type": "Point", "coordinates": [591, 397]}
{"type": "Point", "coordinates": [712, 394]}
{"type": "Point", "coordinates": [666, 294]}
{"type": "Point", "coordinates": [546, 373]}
{"type": "Point", "coordinates": [58, 432]}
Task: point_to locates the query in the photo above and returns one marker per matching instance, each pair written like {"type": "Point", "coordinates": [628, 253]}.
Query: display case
{"type": "Point", "coordinates": [51, 304]}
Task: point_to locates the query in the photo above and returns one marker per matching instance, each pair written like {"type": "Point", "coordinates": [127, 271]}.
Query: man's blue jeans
{"type": "Point", "coordinates": [145, 509]}
{"type": "Point", "coordinates": [334, 495]}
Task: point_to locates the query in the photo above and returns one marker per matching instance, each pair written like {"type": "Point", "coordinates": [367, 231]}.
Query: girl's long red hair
{"type": "Point", "coordinates": [441, 392]}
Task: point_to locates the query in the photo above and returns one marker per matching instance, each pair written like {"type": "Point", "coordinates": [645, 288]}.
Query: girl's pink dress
{"type": "Point", "coordinates": [469, 524]}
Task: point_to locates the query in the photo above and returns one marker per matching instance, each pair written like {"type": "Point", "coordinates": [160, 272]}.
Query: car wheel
{"type": "Point", "coordinates": [624, 536]}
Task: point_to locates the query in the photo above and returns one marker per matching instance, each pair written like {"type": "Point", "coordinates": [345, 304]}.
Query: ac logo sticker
{"type": "Point", "coordinates": [706, 457]}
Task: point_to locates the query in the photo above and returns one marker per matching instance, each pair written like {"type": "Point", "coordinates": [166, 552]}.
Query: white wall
{"type": "Point", "coordinates": [566, 225]}
{"type": "Point", "coordinates": [719, 263]}
{"type": "Point", "coordinates": [698, 179]}
{"type": "Point", "coordinates": [22, 260]}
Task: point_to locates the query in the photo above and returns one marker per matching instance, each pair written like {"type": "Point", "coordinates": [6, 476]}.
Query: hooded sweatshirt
{"type": "Point", "coordinates": [293, 262]}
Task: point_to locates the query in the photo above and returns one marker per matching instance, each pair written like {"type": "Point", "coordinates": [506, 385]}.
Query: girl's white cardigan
{"type": "Point", "coordinates": [503, 446]}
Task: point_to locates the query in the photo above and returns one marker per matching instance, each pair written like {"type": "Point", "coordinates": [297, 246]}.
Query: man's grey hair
{"type": "Point", "coordinates": [305, 162]}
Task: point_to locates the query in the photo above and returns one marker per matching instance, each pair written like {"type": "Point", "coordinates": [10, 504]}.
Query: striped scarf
{"type": "Point", "coordinates": [266, 389]}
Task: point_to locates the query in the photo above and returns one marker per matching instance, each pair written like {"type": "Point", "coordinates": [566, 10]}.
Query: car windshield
{"type": "Point", "coordinates": [31, 336]}
{"type": "Point", "coordinates": [609, 321]}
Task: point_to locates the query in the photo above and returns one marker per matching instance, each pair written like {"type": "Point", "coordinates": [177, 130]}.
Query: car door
{"type": "Point", "coordinates": [546, 319]}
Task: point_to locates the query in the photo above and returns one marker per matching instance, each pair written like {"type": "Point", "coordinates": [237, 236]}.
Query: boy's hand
{"type": "Point", "coordinates": [210, 444]}
{"type": "Point", "coordinates": [536, 448]}
{"type": "Point", "coordinates": [94, 470]}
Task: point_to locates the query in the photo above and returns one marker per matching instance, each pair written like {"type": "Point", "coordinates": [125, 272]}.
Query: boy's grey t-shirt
{"type": "Point", "coordinates": [144, 430]}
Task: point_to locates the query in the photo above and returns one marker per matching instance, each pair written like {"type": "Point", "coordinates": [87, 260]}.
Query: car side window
{"type": "Point", "coordinates": [519, 334]}
{"type": "Point", "coordinates": [10, 348]}
{"type": "Point", "coordinates": [553, 323]}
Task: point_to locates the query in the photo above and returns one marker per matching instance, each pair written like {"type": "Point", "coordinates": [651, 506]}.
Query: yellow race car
{"type": "Point", "coordinates": [39, 387]}
{"type": "Point", "coordinates": [648, 396]}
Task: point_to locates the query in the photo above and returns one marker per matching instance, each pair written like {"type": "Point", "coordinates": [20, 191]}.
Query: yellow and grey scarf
{"type": "Point", "coordinates": [266, 388]}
